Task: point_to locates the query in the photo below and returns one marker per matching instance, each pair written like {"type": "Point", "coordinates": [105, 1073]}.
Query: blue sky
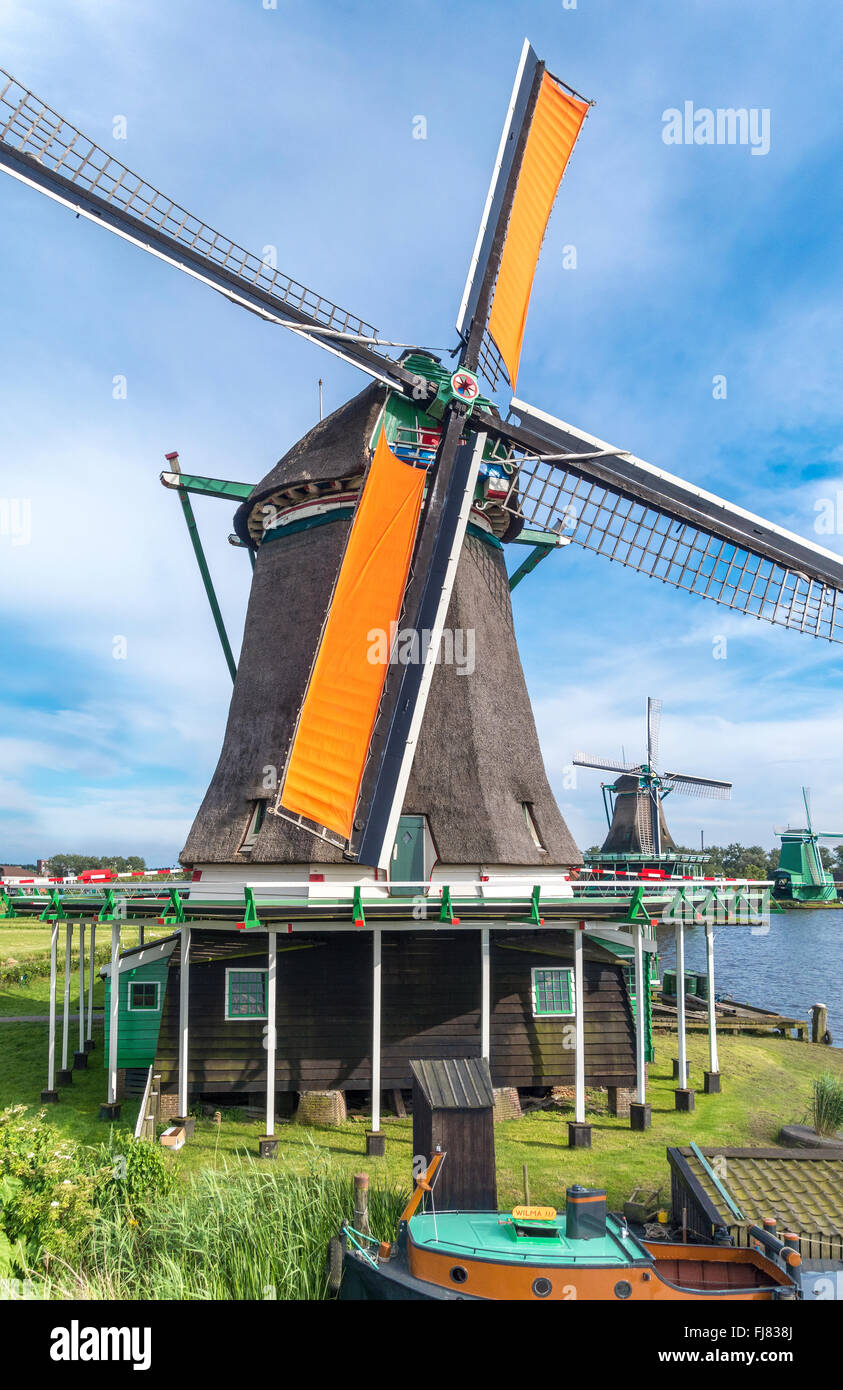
{"type": "Point", "coordinates": [293, 127]}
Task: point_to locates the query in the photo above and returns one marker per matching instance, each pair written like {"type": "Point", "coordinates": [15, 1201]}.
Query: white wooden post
{"type": "Point", "coordinates": [640, 1037]}
{"type": "Point", "coordinates": [579, 1027]}
{"type": "Point", "coordinates": [485, 1006]}
{"type": "Point", "coordinates": [376, 1029]}
{"type": "Point", "coordinates": [91, 967]}
{"type": "Point", "coordinates": [713, 1062]}
{"type": "Point", "coordinates": [271, 959]}
{"type": "Point", "coordinates": [114, 1012]}
{"type": "Point", "coordinates": [184, 1008]}
{"type": "Point", "coordinates": [51, 1050]}
{"type": "Point", "coordinates": [81, 987]}
{"type": "Point", "coordinates": [65, 1022]}
{"type": "Point", "coordinates": [680, 999]}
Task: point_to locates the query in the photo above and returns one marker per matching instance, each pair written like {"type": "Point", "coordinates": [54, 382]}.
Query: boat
{"type": "Point", "coordinates": [584, 1253]}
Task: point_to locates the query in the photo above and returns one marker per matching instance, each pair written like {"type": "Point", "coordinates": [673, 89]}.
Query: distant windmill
{"type": "Point", "coordinates": [801, 873]}
{"type": "Point", "coordinates": [637, 823]}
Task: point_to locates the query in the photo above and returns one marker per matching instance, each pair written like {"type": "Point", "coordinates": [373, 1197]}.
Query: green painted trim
{"type": "Point", "coordinates": [244, 1018]}
{"type": "Point", "coordinates": [565, 1012]}
{"type": "Point", "coordinates": [307, 523]}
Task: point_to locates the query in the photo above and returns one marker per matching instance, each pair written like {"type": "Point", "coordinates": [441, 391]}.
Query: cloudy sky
{"type": "Point", "coordinates": [293, 127]}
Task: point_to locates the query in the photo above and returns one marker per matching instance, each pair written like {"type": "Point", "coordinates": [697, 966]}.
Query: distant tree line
{"type": "Point", "coordinates": [62, 864]}
{"type": "Point", "coordinates": [752, 861]}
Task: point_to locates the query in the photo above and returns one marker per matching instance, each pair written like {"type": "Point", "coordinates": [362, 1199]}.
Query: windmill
{"type": "Point", "coordinates": [389, 517]}
{"type": "Point", "coordinates": [637, 825]}
{"type": "Point", "coordinates": [801, 874]}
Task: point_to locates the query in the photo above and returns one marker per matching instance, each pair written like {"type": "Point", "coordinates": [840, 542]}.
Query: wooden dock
{"type": "Point", "coordinates": [731, 1016]}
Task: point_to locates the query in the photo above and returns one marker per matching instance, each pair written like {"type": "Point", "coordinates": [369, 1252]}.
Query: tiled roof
{"type": "Point", "coordinates": [802, 1189]}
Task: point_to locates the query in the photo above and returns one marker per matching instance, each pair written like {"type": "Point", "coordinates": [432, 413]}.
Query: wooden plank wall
{"type": "Point", "coordinates": [430, 1008]}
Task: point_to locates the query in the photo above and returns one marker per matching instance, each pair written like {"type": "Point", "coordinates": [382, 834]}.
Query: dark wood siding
{"type": "Point", "coordinates": [430, 1008]}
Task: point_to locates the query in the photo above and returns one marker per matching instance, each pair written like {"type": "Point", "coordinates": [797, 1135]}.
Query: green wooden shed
{"type": "Point", "coordinates": [142, 986]}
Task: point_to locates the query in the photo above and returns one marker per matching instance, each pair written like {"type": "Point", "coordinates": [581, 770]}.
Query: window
{"type": "Point", "coordinates": [527, 808]}
{"type": "Point", "coordinates": [253, 828]}
{"type": "Point", "coordinates": [245, 994]}
{"type": "Point", "coordinates": [143, 994]}
{"type": "Point", "coordinates": [553, 993]}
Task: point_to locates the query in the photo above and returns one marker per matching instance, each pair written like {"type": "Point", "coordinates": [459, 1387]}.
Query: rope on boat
{"type": "Point", "coordinates": [351, 1233]}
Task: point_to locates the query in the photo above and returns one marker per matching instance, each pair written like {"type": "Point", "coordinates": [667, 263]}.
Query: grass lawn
{"type": "Point", "coordinates": [766, 1082]}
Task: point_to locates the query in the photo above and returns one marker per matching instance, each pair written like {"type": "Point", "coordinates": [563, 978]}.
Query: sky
{"type": "Point", "coordinates": [292, 126]}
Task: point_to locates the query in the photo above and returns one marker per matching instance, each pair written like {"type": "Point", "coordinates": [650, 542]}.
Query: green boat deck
{"type": "Point", "coordinates": [495, 1236]}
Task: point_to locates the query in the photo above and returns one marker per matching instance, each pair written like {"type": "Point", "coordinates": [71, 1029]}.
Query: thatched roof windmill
{"type": "Point", "coordinates": [637, 824]}
{"type": "Point", "coordinates": [388, 517]}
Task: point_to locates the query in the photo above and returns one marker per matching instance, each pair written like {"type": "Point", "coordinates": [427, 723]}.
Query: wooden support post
{"type": "Point", "coordinates": [184, 1011]}
{"type": "Point", "coordinates": [485, 993]}
{"type": "Point", "coordinates": [579, 1133]}
{"type": "Point", "coordinates": [683, 1095]}
{"type": "Point", "coordinates": [640, 1016]}
{"type": "Point", "coordinates": [89, 1037]}
{"type": "Point", "coordinates": [141, 934]}
{"type": "Point", "coordinates": [819, 1023]}
{"type": "Point", "coordinates": [579, 1027]}
{"type": "Point", "coordinates": [111, 1109]}
{"type": "Point", "coordinates": [80, 1057]}
{"type": "Point", "coordinates": [66, 1075]}
{"type": "Point", "coordinates": [361, 1203]}
{"type": "Point", "coordinates": [711, 1078]}
{"type": "Point", "coordinates": [268, 1145]}
{"type": "Point", "coordinates": [640, 1115]}
{"type": "Point", "coordinates": [376, 1030]}
{"type": "Point", "coordinates": [51, 1095]}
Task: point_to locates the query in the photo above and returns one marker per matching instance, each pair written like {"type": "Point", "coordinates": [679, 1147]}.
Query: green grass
{"type": "Point", "coordinates": [766, 1082]}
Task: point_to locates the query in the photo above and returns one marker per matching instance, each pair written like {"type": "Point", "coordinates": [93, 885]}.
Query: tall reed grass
{"type": "Point", "coordinates": [246, 1234]}
{"type": "Point", "coordinates": [827, 1105]}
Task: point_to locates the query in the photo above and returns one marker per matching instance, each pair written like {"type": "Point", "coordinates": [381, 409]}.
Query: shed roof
{"type": "Point", "coordinates": [801, 1188]}
{"type": "Point", "coordinates": [455, 1083]}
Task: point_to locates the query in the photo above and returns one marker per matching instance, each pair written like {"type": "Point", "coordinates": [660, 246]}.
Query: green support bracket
{"type": "Point", "coordinates": [6, 908]}
{"type": "Point", "coordinates": [193, 531]}
{"type": "Point", "coordinates": [108, 911]}
{"type": "Point", "coordinates": [54, 912]}
{"type": "Point", "coordinates": [250, 913]}
{"type": "Point", "coordinates": [534, 906]}
{"type": "Point", "coordinates": [175, 912]}
{"type": "Point", "coordinates": [358, 915]}
{"type": "Point", "coordinates": [208, 487]}
{"type": "Point", "coordinates": [446, 910]}
{"type": "Point", "coordinates": [535, 557]}
{"type": "Point", "coordinates": [636, 911]}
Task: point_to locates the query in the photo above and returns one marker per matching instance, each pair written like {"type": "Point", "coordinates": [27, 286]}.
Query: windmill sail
{"type": "Point", "coordinates": [542, 125]}
{"type": "Point", "coordinates": [43, 150]}
{"type": "Point", "coordinates": [608, 501]}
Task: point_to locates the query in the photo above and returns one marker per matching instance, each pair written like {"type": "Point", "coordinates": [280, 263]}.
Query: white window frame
{"type": "Point", "coordinates": [572, 994]}
{"type": "Point", "coordinates": [136, 1009]}
{"type": "Point", "coordinates": [244, 1018]}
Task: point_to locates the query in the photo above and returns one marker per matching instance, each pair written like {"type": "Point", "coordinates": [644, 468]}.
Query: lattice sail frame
{"type": "Point", "coordinates": [558, 498]}
{"type": "Point", "coordinates": [32, 128]}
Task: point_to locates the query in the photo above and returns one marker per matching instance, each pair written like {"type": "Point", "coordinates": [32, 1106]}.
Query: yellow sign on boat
{"type": "Point", "coordinates": [534, 1213]}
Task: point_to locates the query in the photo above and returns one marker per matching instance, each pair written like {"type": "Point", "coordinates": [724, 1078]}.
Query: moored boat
{"type": "Point", "coordinates": [537, 1253]}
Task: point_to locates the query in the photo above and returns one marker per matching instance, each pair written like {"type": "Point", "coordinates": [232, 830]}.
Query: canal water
{"type": "Point", "coordinates": [795, 963]}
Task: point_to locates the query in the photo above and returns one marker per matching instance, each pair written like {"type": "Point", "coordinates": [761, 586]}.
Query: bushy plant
{"type": "Point", "coordinates": [49, 1206]}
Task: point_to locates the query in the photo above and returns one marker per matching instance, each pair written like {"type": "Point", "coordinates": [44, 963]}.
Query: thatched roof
{"type": "Point", "coordinates": [478, 758]}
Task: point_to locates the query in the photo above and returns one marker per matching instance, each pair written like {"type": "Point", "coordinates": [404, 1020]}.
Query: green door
{"type": "Point", "coordinates": [408, 855]}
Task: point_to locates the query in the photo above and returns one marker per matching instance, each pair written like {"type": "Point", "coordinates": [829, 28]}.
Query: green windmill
{"type": "Point", "coordinates": [801, 874]}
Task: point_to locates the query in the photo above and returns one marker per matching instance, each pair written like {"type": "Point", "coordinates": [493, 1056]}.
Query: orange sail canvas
{"type": "Point", "coordinates": [557, 121]}
{"type": "Point", "coordinates": [331, 743]}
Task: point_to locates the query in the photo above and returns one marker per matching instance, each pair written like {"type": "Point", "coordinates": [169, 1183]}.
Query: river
{"type": "Point", "coordinates": [796, 963]}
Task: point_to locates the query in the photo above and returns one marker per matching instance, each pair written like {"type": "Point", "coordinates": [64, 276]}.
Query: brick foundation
{"type": "Point", "coordinates": [507, 1103]}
